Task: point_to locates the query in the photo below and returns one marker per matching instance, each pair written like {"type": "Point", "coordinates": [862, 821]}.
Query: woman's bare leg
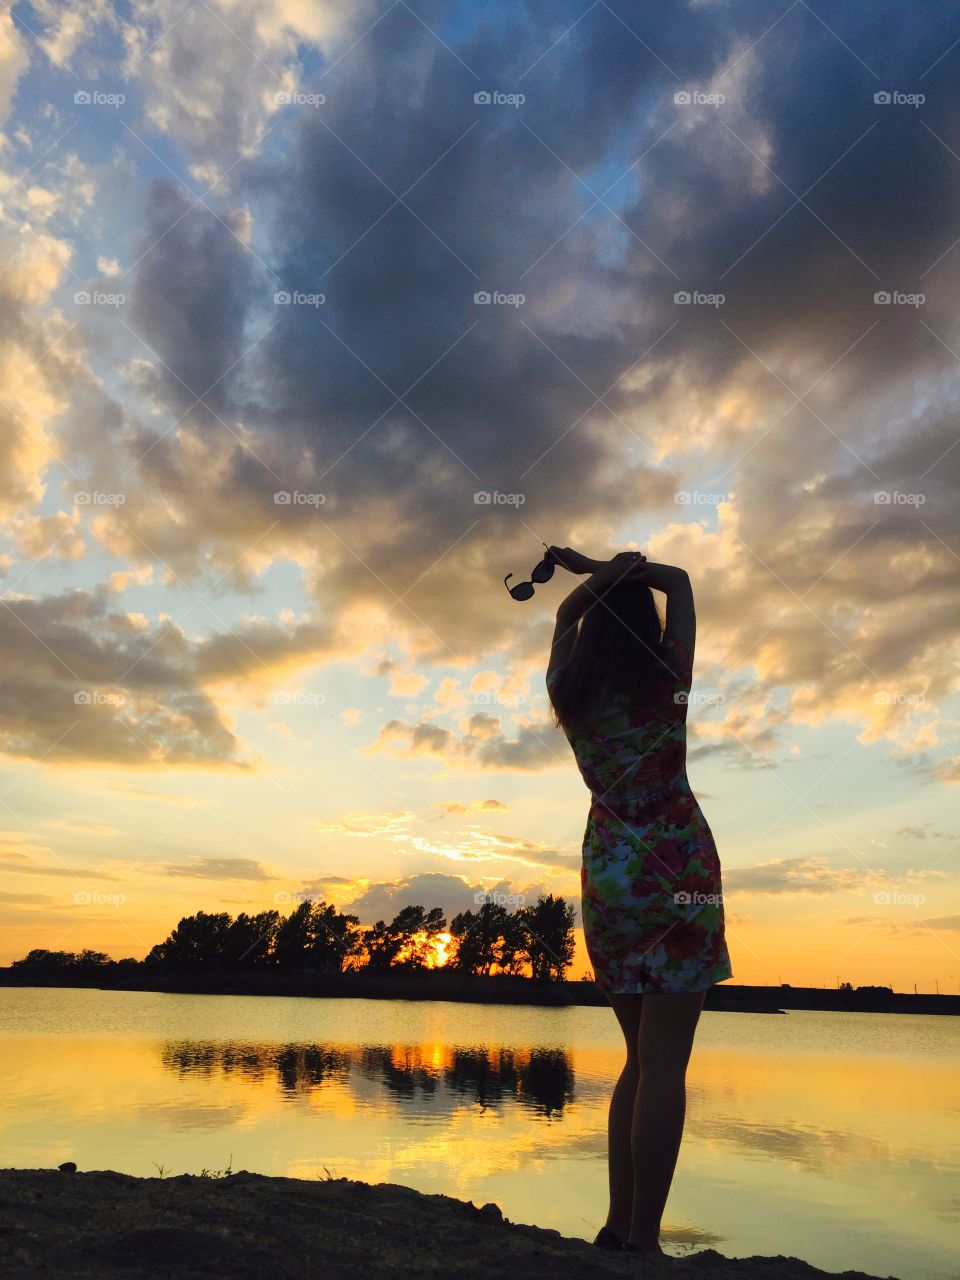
{"type": "Point", "coordinates": [667, 1027]}
{"type": "Point", "coordinates": [620, 1123]}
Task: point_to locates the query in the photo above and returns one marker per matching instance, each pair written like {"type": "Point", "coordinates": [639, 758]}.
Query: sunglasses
{"type": "Point", "coordinates": [542, 573]}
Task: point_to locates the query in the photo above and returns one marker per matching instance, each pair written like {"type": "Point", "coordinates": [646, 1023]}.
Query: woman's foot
{"type": "Point", "coordinates": [648, 1250]}
{"type": "Point", "coordinates": [607, 1239]}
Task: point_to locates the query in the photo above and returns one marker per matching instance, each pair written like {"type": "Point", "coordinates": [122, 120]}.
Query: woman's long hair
{"type": "Point", "coordinates": [616, 650]}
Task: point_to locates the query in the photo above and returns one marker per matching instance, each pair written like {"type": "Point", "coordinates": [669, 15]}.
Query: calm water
{"type": "Point", "coordinates": [831, 1137]}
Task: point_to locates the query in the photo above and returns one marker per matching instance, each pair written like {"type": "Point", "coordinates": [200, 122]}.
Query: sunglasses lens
{"type": "Point", "coordinates": [544, 571]}
{"type": "Point", "coordinates": [522, 591]}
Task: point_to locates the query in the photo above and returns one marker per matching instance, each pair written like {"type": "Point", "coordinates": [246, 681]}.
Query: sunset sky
{"type": "Point", "coordinates": [255, 635]}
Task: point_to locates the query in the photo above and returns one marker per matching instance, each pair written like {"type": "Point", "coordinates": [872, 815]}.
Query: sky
{"type": "Point", "coordinates": [318, 319]}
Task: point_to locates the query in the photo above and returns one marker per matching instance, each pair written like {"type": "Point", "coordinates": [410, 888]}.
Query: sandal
{"type": "Point", "coordinates": [607, 1239]}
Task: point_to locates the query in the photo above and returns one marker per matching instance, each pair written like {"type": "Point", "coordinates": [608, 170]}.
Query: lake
{"type": "Point", "coordinates": [831, 1137]}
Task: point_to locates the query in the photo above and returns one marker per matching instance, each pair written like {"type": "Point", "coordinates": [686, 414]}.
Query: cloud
{"type": "Point", "coordinates": [219, 869]}
{"type": "Point", "coordinates": [458, 807]}
{"type": "Point", "coordinates": [27, 865]}
{"type": "Point", "coordinates": [364, 825]}
{"type": "Point", "coordinates": [812, 875]}
{"type": "Point", "coordinates": [381, 900]}
{"type": "Point", "coordinates": [922, 831]}
{"type": "Point", "coordinates": [536, 745]}
{"type": "Point", "coordinates": [86, 682]}
{"type": "Point", "coordinates": [819, 425]}
{"type": "Point", "coordinates": [803, 575]}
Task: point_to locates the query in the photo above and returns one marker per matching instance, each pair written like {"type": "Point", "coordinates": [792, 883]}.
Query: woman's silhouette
{"type": "Point", "coordinates": [651, 892]}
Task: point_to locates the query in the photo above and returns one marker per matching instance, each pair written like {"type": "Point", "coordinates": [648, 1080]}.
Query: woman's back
{"type": "Point", "coordinates": [628, 753]}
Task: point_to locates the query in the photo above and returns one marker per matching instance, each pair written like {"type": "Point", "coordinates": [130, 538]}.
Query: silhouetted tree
{"type": "Point", "coordinates": [335, 938]}
{"type": "Point", "coordinates": [197, 944]}
{"type": "Point", "coordinates": [316, 936]}
{"type": "Point", "coordinates": [250, 940]}
{"type": "Point", "coordinates": [478, 938]}
{"type": "Point", "coordinates": [549, 944]}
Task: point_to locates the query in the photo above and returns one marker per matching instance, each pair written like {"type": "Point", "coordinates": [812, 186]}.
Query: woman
{"type": "Point", "coordinates": [652, 904]}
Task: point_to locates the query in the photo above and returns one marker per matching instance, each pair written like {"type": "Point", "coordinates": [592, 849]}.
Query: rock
{"type": "Point", "coordinates": [490, 1213]}
{"type": "Point", "coordinates": [67, 1167]}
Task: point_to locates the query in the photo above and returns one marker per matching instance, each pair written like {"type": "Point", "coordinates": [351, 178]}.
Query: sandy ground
{"type": "Point", "coordinates": [107, 1225]}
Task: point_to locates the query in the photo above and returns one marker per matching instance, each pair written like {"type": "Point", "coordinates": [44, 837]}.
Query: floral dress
{"type": "Point", "coordinates": [651, 892]}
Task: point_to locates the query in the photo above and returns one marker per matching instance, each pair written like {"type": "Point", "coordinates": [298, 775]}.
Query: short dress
{"type": "Point", "coordinates": [652, 898]}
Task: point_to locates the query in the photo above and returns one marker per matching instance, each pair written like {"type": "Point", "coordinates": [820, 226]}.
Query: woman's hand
{"type": "Point", "coordinates": [625, 566]}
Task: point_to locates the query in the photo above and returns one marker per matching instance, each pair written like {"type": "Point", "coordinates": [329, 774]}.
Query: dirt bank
{"type": "Point", "coordinates": [106, 1226]}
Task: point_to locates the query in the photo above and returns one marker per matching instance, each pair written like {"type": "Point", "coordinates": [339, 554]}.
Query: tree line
{"type": "Point", "coordinates": [536, 941]}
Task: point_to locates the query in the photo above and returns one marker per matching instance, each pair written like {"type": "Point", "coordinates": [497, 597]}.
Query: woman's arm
{"type": "Point", "coordinates": [575, 561]}
{"type": "Point", "coordinates": [681, 621]}
{"type": "Point", "coordinates": [607, 574]}
{"type": "Point", "coordinates": [576, 604]}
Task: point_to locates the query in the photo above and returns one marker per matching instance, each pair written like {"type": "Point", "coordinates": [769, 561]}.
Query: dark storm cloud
{"type": "Point", "coordinates": [398, 398]}
{"type": "Point", "coordinates": [84, 681]}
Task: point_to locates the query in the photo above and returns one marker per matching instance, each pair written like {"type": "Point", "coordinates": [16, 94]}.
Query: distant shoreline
{"type": "Point", "coordinates": [496, 989]}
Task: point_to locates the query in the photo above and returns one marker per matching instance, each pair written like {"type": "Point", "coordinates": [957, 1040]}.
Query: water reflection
{"type": "Point", "coordinates": [541, 1080]}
